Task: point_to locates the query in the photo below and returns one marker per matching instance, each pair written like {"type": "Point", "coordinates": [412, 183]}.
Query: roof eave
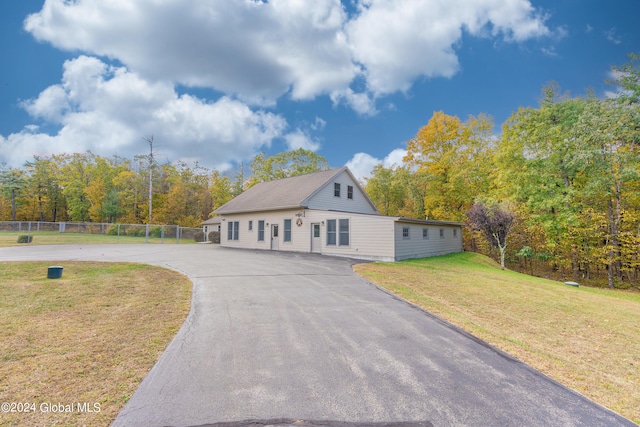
{"type": "Point", "coordinates": [275, 208]}
{"type": "Point", "coordinates": [428, 221]}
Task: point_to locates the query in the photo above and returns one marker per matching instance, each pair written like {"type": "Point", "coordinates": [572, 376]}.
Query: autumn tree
{"type": "Point", "coordinates": [572, 167]}
{"type": "Point", "coordinates": [219, 189]}
{"type": "Point", "coordinates": [285, 164]}
{"type": "Point", "coordinates": [239, 182]}
{"type": "Point", "coordinates": [608, 156]}
{"type": "Point", "coordinates": [536, 167]}
{"type": "Point", "coordinates": [627, 80]}
{"type": "Point", "coordinates": [45, 187]}
{"type": "Point", "coordinates": [494, 222]}
{"type": "Point", "coordinates": [454, 159]}
{"type": "Point", "coordinates": [13, 182]}
{"type": "Point", "coordinates": [387, 189]}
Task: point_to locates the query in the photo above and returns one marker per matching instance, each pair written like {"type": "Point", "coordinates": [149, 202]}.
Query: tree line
{"type": "Point", "coordinates": [567, 174]}
{"type": "Point", "coordinates": [86, 187]}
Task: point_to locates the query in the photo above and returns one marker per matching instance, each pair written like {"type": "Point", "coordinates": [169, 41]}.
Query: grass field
{"type": "Point", "coordinates": [88, 338]}
{"type": "Point", "coordinates": [585, 338]}
{"type": "Point", "coordinates": [54, 238]}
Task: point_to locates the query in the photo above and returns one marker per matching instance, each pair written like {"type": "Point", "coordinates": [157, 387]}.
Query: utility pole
{"type": "Point", "coordinates": [149, 139]}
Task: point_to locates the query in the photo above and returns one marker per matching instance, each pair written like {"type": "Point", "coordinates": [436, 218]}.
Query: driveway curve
{"type": "Point", "coordinates": [281, 337]}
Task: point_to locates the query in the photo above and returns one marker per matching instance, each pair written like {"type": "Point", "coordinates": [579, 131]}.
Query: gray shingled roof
{"type": "Point", "coordinates": [286, 193]}
{"type": "Point", "coordinates": [211, 221]}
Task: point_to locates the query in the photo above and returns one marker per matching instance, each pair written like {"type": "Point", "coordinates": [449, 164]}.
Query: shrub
{"type": "Point", "coordinates": [136, 231]}
{"type": "Point", "coordinates": [25, 239]}
{"type": "Point", "coordinates": [112, 230]}
{"type": "Point", "coordinates": [214, 236]}
{"type": "Point", "coordinates": [156, 232]}
{"type": "Point", "coordinates": [199, 236]}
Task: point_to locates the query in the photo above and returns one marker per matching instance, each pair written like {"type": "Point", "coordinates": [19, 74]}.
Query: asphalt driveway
{"type": "Point", "coordinates": [277, 336]}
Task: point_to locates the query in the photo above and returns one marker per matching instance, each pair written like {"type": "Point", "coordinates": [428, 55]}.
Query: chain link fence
{"type": "Point", "coordinates": [146, 233]}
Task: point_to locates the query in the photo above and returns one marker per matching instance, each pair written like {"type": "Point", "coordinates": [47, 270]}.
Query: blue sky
{"type": "Point", "coordinates": [218, 82]}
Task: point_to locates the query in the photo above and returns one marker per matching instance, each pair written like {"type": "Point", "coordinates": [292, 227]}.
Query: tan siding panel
{"type": "Point", "coordinates": [370, 236]}
{"type": "Point", "coordinates": [300, 241]}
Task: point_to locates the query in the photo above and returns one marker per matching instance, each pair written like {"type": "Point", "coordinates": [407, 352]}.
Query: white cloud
{"type": "Point", "coordinates": [550, 51]}
{"type": "Point", "coordinates": [108, 110]}
{"type": "Point", "coordinates": [395, 158]}
{"type": "Point", "coordinates": [318, 124]}
{"type": "Point", "coordinates": [361, 103]}
{"type": "Point", "coordinates": [254, 53]}
{"type": "Point", "coordinates": [259, 51]}
{"type": "Point", "coordinates": [300, 139]}
{"type": "Point", "coordinates": [616, 76]}
{"type": "Point", "coordinates": [398, 41]}
{"type": "Point", "coordinates": [362, 164]}
{"type": "Point", "coordinates": [16, 148]}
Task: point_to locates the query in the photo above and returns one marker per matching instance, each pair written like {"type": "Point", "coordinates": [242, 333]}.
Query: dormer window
{"type": "Point", "coordinates": [336, 189]}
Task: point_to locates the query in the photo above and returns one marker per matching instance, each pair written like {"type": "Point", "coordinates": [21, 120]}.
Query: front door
{"type": "Point", "coordinates": [315, 237]}
{"type": "Point", "coordinates": [274, 237]}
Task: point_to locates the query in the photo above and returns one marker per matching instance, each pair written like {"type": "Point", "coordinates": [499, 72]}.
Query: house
{"type": "Point", "coordinates": [328, 212]}
{"type": "Point", "coordinates": [212, 224]}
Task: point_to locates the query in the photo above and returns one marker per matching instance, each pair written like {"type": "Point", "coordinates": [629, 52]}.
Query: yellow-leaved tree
{"type": "Point", "coordinates": [455, 159]}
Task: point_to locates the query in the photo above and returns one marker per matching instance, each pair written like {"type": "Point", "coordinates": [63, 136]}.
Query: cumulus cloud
{"type": "Point", "coordinates": [301, 139]}
{"type": "Point", "coordinates": [255, 50]}
{"type": "Point", "coordinates": [397, 41]}
{"type": "Point", "coordinates": [362, 103]}
{"type": "Point", "coordinates": [109, 109]}
{"type": "Point", "coordinates": [133, 54]}
{"type": "Point", "coordinates": [362, 164]}
{"type": "Point", "coordinates": [260, 51]}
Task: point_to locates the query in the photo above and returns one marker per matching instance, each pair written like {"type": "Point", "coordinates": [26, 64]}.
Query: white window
{"type": "Point", "coordinates": [344, 232]}
{"type": "Point", "coordinates": [250, 225]}
{"type": "Point", "coordinates": [336, 189]}
{"type": "Point", "coordinates": [287, 230]}
{"type": "Point", "coordinates": [331, 232]}
{"type": "Point", "coordinates": [261, 231]}
{"type": "Point", "coordinates": [233, 230]}
{"type": "Point", "coordinates": [350, 192]}
{"type": "Point", "coordinates": [425, 233]}
{"type": "Point", "coordinates": [405, 233]}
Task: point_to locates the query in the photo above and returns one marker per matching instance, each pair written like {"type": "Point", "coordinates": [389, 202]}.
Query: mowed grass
{"type": "Point", "coordinates": [89, 337]}
{"type": "Point", "coordinates": [10, 238]}
{"type": "Point", "coordinates": [585, 338]}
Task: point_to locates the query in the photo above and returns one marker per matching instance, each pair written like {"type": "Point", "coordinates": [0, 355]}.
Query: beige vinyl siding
{"type": "Point", "coordinates": [300, 240]}
{"type": "Point", "coordinates": [325, 199]}
{"type": "Point", "coordinates": [417, 247]}
{"type": "Point", "coordinates": [370, 236]}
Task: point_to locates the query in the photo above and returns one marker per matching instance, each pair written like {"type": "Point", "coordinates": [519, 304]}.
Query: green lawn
{"type": "Point", "coordinates": [585, 338]}
{"type": "Point", "coordinates": [88, 337]}
{"type": "Point", "coordinates": [55, 238]}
